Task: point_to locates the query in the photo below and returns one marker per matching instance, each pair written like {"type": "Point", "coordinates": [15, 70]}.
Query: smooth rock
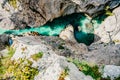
{"type": "Point", "coordinates": [51, 66]}
{"type": "Point", "coordinates": [109, 30]}
{"type": "Point", "coordinates": [111, 71]}
{"type": "Point", "coordinates": [103, 54]}
{"type": "Point", "coordinates": [68, 34]}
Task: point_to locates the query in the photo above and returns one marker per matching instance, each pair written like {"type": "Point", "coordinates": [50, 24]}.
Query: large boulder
{"type": "Point", "coordinates": [51, 67]}
{"type": "Point", "coordinates": [109, 30]}
{"type": "Point", "coordinates": [37, 12]}
{"type": "Point", "coordinates": [111, 71]}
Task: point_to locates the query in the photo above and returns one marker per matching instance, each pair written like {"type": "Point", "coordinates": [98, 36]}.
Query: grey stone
{"type": "Point", "coordinates": [109, 30]}
{"type": "Point", "coordinates": [111, 71]}
{"type": "Point", "coordinates": [98, 53]}
{"type": "Point", "coordinates": [36, 13]}
{"type": "Point", "coordinates": [103, 54]}
{"type": "Point", "coordinates": [6, 10]}
{"type": "Point", "coordinates": [51, 65]}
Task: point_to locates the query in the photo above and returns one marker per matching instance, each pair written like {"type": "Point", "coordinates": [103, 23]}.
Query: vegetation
{"type": "Point", "coordinates": [13, 3]}
{"type": "Point", "coordinates": [20, 70]}
{"type": "Point", "coordinates": [11, 51]}
{"type": "Point", "coordinates": [37, 56]}
{"type": "Point", "coordinates": [108, 12]}
{"type": "Point", "coordinates": [16, 69]}
{"type": "Point", "coordinates": [5, 60]}
{"type": "Point", "coordinates": [87, 69]}
{"type": "Point", "coordinates": [64, 73]}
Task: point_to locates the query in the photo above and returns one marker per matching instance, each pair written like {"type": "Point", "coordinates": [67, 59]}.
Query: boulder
{"type": "Point", "coordinates": [109, 30]}
{"type": "Point", "coordinates": [111, 71]}
{"type": "Point", "coordinates": [101, 53]}
{"type": "Point", "coordinates": [51, 67]}
{"type": "Point", "coordinates": [68, 34]}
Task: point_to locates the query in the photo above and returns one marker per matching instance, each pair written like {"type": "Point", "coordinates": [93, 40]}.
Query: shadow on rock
{"type": "Point", "coordinates": [5, 40]}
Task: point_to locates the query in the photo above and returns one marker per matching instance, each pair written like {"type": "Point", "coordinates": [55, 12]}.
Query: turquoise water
{"type": "Point", "coordinates": [83, 32]}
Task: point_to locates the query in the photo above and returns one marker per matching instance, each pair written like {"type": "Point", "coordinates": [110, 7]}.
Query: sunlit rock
{"type": "Point", "coordinates": [51, 65]}
{"type": "Point", "coordinates": [109, 30]}
{"type": "Point", "coordinates": [111, 71]}
{"type": "Point", "coordinates": [68, 34]}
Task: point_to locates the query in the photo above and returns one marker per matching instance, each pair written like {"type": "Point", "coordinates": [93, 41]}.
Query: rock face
{"type": "Point", "coordinates": [101, 53]}
{"type": "Point", "coordinates": [55, 65]}
{"type": "Point", "coordinates": [54, 52]}
{"type": "Point", "coordinates": [6, 10]}
{"type": "Point", "coordinates": [111, 71]}
{"type": "Point", "coordinates": [50, 65]}
{"type": "Point", "coordinates": [49, 45]}
{"type": "Point", "coordinates": [35, 13]}
{"type": "Point", "coordinates": [109, 30]}
{"type": "Point", "coordinates": [98, 53]}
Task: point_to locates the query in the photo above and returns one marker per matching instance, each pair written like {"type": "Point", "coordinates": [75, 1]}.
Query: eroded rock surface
{"type": "Point", "coordinates": [99, 53]}
{"type": "Point", "coordinates": [111, 71]}
{"type": "Point", "coordinates": [109, 30]}
{"type": "Point", "coordinates": [51, 61]}
{"type": "Point", "coordinates": [35, 13]}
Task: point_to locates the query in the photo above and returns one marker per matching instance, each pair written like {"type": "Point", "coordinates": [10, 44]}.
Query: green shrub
{"type": "Point", "coordinates": [11, 51]}
{"type": "Point", "coordinates": [13, 3]}
{"type": "Point", "coordinates": [20, 70]}
{"type": "Point", "coordinates": [37, 56]}
{"type": "Point", "coordinates": [17, 69]}
{"type": "Point", "coordinates": [87, 69]}
{"type": "Point", "coordinates": [64, 73]}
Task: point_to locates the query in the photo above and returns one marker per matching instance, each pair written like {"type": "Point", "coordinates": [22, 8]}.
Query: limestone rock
{"type": "Point", "coordinates": [68, 34]}
{"type": "Point", "coordinates": [36, 13]}
{"type": "Point", "coordinates": [6, 10]}
{"type": "Point", "coordinates": [54, 44]}
{"type": "Point", "coordinates": [98, 53]}
{"type": "Point", "coordinates": [102, 53]}
{"type": "Point", "coordinates": [110, 28]}
{"type": "Point", "coordinates": [22, 13]}
{"type": "Point", "coordinates": [111, 71]}
{"type": "Point", "coordinates": [51, 65]}
{"type": "Point", "coordinates": [71, 43]}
